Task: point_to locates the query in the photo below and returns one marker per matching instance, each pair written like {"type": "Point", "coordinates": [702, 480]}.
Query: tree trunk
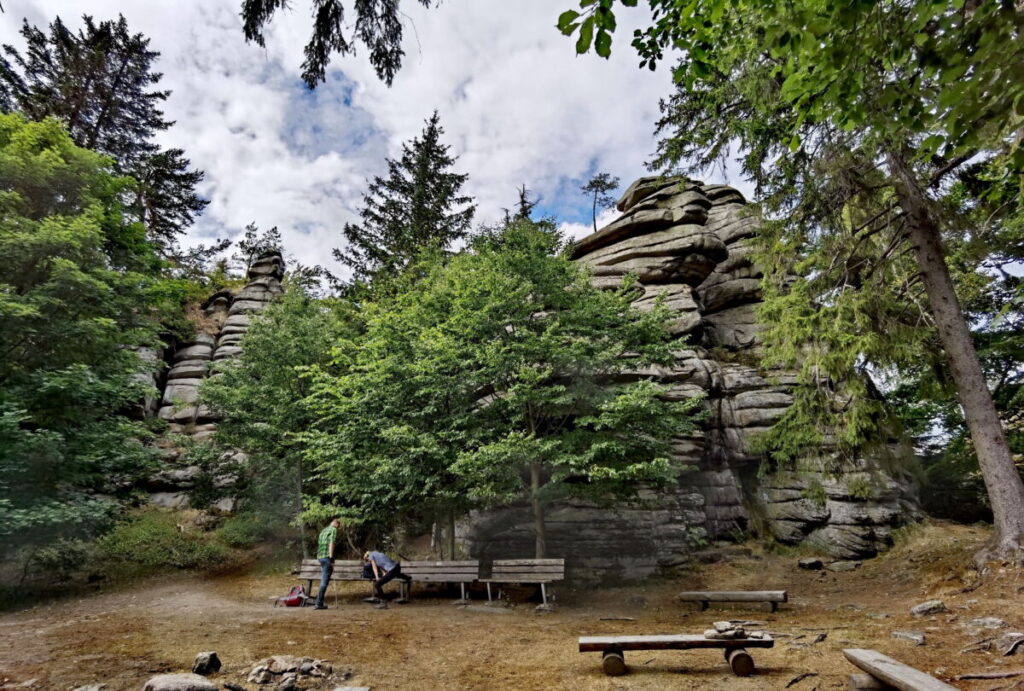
{"type": "Point", "coordinates": [538, 512]}
{"type": "Point", "coordinates": [1002, 480]}
{"type": "Point", "coordinates": [451, 535]}
{"type": "Point", "coordinates": [302, 525]}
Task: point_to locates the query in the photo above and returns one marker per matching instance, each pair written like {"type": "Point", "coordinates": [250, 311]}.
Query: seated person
{"type": "Point", "coordinates": [384, 570]}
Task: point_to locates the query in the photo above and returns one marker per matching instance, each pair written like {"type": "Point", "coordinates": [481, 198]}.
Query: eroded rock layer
{"type": "Point", "coordinates": [691, 243]}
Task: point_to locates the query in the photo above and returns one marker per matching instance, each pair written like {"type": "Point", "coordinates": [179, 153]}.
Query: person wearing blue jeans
{"type": "Point", "coordinates": [325, 554]}
{"type": "Point", "coordinates": [384, 571]}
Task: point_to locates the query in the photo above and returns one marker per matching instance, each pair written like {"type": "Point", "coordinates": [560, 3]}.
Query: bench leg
{"type": "Point", "coordinates": [613, 662]}
{"type": "Point", "coordinates": [703, 605]}
{"type": "Point", "coordinates": [488, 592]}
{"type": "Point", "coordinates": [740, 662]}
{"type": "Point", "coordinates": [775, 606]}
{"type": "Point", "coordinates": [462, 587]}
{"type": "Point", "coordinates": [543, 594]}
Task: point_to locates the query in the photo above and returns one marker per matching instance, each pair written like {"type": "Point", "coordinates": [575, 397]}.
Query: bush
{"type": "Point", "coordinates": [245, 530]}
{"type": "Point", "coordinates": [152, 540]}
{"type": "Point", "coordinates": [60, 560]}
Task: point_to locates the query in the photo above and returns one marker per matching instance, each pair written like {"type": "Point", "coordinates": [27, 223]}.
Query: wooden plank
{"type": "Point", "coordinates": [522, 579]}
{"type": "Point", "coordinates": [528, 562]}
{"type": "Point", "coordinates": [734, 596]}
{"type": "Point", "coordinates": [442, 564]}
{"type": "Point", "coordinates": [450, 578]}
{"type": "Point", "coordinates": [893, 672]}
{"type": "Point", "coordinates": [597, 644]}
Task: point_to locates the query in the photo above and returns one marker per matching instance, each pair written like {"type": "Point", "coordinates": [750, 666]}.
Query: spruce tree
{"type": "Point", "coordinates": [100, 82]}
{"type": "Point", "coordinates": [417, 206]}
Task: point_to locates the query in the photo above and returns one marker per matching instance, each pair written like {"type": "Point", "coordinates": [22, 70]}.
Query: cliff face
{"type": "Point", "coordinates": [691, 243]}
{"type": "Point", "coordinates": [227, 316]}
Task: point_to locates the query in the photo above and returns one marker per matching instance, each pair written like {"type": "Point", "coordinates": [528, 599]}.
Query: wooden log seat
{"type": "Point", "coordinates": [613, 649]}
{"type": "Point", "coordinates": [892, 673]}
{"type": "Point", "coordinates": [704, 597]}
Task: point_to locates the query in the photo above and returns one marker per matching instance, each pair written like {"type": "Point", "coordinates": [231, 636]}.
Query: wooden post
{"type": "Point", "coordinates": [488, 592]}
{"type": "Point", "coordinates": [543, 594]}
{"type": "Point", "coordinates": [740, 662]}
{"type": "Point", "coordinates": [703, 605]}
{"type": "Point", "coordinates": [462, 587]}
{"type": "Point", "coordinates": [613, 662]}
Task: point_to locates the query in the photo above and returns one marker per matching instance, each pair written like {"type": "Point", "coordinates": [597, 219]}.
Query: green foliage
{"type": "Point", "coordinates": [815, 492]}
{"type": "Point", "coordinates": [480, 367]}
{"type": "Point", "coordinates": [77, 299]}
{"type": "Point", "coordinates": [100, 83]}
{"type": "Point", "coordinates": [260, 394]}
{"type": "Point", "coordinates": [417, 207]}
{"type": "Point", "coordinates": [62, 559]}
{"type": "Point", "coordinates": [245, 530]}
{"type": "Point", "coordinates": [599, 188]}
{"type": "Point", "coordinates": [151, 540]}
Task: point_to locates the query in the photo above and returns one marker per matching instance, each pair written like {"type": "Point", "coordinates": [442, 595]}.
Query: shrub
{"type": "Point", "coordinates": [245, 530]}
{"type": "Point", "coordinates": [152, 540]}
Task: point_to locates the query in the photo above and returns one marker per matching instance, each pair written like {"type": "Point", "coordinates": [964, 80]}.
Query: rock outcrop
{"type": "Point", "coordinates": [692, 244]}
{"type": "Point", "coordinates": [226, 318]}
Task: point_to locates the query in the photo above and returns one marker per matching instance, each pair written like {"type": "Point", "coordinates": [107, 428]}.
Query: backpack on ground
{"type": "Point", "coordinates": [296, 597]}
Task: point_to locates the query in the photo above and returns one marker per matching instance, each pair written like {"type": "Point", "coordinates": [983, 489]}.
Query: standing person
{"type": "Point", "coordinates": [325, 553]}
{"type": "Point", "coordinates": [384, 570]}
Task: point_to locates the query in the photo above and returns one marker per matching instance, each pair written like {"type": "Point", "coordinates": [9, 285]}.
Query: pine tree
{"type": "Point", "coordinates": [599, 188]}
{"type": "Point", "coordinates": [378, 26]}
{"type": "Point", "coordinates": [101, 84]}
{"type": "Point", "coordinates": [416, 207]}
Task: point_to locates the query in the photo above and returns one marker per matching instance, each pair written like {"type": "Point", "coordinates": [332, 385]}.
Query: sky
{"type": "Point", "coordinates": [517, 105]}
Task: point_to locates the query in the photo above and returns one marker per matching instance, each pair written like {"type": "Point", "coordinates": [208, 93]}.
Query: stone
{"type": "Point", "coordinates": [928, 608]}
{"type": "Point", "coordinates": [206, 663]}
{"type": "Point", "coordinates": [189, 369]}
{"type": "Point", "coordinates": [260, 674]}
{"type": "Point", "coordinates": [179, 682]}
{"type": "Point", "coordinates": [226, 505]}
{"type": "Point", "coordinates": [196, 351]}
{"type": "Point", "coordinates": [170, 500]}
{"type": "Point", "coordinates": [810, 564]}
{"type": "Point", "coordinates": [1010, 643]}
{"type": "Point", "coordinates": [915, 637]}
{"type": "Point", "coordinates": [843, 565]}
{"type": "Point", "coordinates": [984, 623]}
{"type": "Point", "coordinates": [91, 687]}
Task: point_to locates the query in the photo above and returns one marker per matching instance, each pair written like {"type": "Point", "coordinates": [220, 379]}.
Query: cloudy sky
{"type": "Point", "coordinates": [517, 105]}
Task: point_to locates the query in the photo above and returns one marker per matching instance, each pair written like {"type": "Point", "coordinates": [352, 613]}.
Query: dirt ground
{"type": "Point", "coordinates": [125, 636]}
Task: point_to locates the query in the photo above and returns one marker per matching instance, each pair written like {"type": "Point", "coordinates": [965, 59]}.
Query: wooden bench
{"type": "Point", "coordinates": [461, 572]}
{"type": "Point", "coordinates": [344, 570]}
{"type": "Point", "coordinates": [541, 571]}
{"type": "Point", "coordinates": [892, 674]}
{"type": "Point", "coordinates": [704, 597]}
{"type": "Point", "coordinates": [613, 649]}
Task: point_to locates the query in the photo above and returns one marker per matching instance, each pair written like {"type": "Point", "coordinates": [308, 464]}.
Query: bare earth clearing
{"type": "Point", "coordinates": [122, 638]}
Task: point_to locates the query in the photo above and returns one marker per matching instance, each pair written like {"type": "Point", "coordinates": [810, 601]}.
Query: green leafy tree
{"type": "Point", "coordinates": [260, 395]}
{"type": "Point", "coordinates": [377, 26]}
{"type": "Point", "coordinates": [419, 205]}
{"type": "Point", "coordinates": [78, 296]}
{"type": "Point", "coordinates": [492, 378]}
{"type": "Point", "coordinates": [599, 189]}
{"type": "Point", "coordinates": [101, 84]}
{"type": "Point", "coordinates": [849, 116]}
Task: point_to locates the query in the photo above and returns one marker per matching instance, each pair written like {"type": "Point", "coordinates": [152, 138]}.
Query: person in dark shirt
{"type": "Point", "coordinates": [384, 571]}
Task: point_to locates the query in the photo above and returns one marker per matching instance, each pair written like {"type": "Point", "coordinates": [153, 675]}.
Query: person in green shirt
{"type": "Point", "coordinates": [325, 553]}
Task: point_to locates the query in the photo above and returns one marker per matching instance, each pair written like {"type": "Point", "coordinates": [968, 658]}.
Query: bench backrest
{"type": "Point", "coordinates": [344, 570]}
{"type": "Point", "coordinates": [527, 570]}
{"type": "Point", "coordinates": [442, 571]}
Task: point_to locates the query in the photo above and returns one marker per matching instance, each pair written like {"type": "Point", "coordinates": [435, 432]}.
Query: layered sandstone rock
{"type": "Point", "coordinates": [692, 244]}
{"type": "Point", "coordinates": [227, 317]}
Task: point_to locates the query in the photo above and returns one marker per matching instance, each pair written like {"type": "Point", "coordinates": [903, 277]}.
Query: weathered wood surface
{"type": "Point", "coordinates": [442, 571]}
{"type": "Point", "coordinates": [598, 644]}
{"type": "Point", "coordinates": [525, 571]}
{"type": "Point", "coordinates": [344, 570]}
{"type": "Point", "coordinates": [613, 663]}
{"type": "Point", "coordinates": [734, 596]}
{"type": "Point", "coordinates": [740, 662]}
{"type": "Point", "coordinates": [866, 682]}
{"type": "Point", "coordinates": [894, 672]}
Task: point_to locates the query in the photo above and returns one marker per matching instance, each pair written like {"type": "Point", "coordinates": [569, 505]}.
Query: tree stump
{"type": "Point", "coordinates": [740, 662]}
{"type": "Point", "coordinates": [613, 662]}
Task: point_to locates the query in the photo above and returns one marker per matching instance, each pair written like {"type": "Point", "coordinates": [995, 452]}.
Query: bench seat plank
{"type": "Point", "coordinates": [734, 596]}
{"type": "Point", "coordinates": [597, 644]}
{"type": "Point", "coordinates": [893, 672]}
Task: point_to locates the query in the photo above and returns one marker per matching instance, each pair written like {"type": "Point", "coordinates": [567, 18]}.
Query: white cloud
{"type": "Point", "coordinates": [518, 107]}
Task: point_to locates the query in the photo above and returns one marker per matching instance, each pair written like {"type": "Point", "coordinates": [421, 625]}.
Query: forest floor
{"type": "Point", "coordinates": [126, 635]}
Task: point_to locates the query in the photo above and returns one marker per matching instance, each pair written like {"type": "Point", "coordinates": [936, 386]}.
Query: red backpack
{"type": "Point", "coordinates": [296, 597]}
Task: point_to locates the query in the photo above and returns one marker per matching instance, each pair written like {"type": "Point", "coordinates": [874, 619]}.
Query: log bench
{"type": "Point", "coordinates": [461, 572]}
{"type": "Point", "coordinates": [704, 597]}
{"type": "Point", "coordinates": [540, 571]}
{"type": "Point", "coordinates": [892, 674]}
{"type": "Point", "coordinates": [613, 649]}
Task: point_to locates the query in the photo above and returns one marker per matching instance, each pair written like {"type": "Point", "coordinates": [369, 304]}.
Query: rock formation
{"type": "Point", "coordinates": [691, 243]}
{"type": "Point", "coordinates": [226, 317]}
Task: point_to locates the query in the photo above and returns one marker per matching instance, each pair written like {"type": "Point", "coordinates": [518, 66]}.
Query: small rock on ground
{"type": "Point", "coordinates": [929, 607]}
{"type": "Point", "coordinates": [810, 563]}
{"type": "Point", "coordinates": [985, 623]}
{"type": "Point", "coordinates": [179, 682]}
{"type": "Point", "coordinates": [915, 637]}
{"type": "Point", "coordinates": [843, 565]}
{"type": "Point", "coordinates": [206, 663]}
